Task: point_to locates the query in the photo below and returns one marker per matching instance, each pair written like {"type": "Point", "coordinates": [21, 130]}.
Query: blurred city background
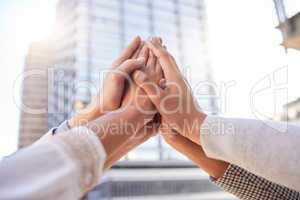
{"type": "Point", "coordinates": [246, 50]}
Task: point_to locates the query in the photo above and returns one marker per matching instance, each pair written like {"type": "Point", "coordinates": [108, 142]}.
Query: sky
{"type": "Point", "coordinates": [245, 52]}
{"type": "Point", "coordinates": [253, 74]}
{"type": "Point", "coordinates": [21, 22]}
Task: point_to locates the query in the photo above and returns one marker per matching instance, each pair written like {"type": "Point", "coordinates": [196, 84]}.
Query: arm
{"type": "Point", "coordinates": [56, 167]}
{"type": "Point", "coordinates": [135, 97]}
{"type": "Point", "coordinates": [67, 165]}
{"type": "Point", "coordinates": [150, 130]}
{"type": "Point", "coordinates": [195, 153]}
{"type": "Point", "coordinates": [251, 144]}
{"type": "Point", "coordinates": [230, 178]}
{"type": "Point", "coordinates": [255, 146]}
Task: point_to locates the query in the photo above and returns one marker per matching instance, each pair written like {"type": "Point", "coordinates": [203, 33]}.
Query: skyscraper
{"type": "Point", "coordinates": [91, 33]}
{"type": "Point", "coordinates": [34, 117]}
{"type": "Point", "coordinates": [289, 23]}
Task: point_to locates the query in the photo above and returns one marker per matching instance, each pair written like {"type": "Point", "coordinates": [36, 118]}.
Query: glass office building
{"type": "Point", "coordinates": [35, 93]}
{"type": "Point", "coordinates": [91, 33]}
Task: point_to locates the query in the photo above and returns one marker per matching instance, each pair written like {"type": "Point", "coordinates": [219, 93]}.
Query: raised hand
{"type": "Point", "coordinates": [175, 102]}
{"type": "Point", "coordinates": [110, 97]}
{"type": "Point", "coordinates": [135, 96]}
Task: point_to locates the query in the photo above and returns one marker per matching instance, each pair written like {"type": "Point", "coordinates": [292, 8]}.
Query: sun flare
{"type": "Point", "coordinates": [34, 22]}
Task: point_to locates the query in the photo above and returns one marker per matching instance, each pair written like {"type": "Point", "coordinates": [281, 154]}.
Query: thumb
{"type": "Point", "coordinates": [154, 92]}
{"type": "Point", "coordinates": [130, 65]}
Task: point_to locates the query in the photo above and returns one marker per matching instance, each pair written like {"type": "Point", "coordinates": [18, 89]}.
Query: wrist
{"type": "Point", "coordinates": [116, 127]}
{"type": "Point", "coordinates": [197, 120]}
{"type": "Point", "coordinates": [85, 116]}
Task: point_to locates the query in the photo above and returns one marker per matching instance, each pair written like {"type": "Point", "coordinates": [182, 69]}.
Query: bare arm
{"type": "Point", "coordinates": [195, 153]}
{"type": "Point", "coordinates": [230, 178]}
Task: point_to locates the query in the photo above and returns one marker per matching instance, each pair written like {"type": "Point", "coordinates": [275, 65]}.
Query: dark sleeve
{"type": "Point", "coordinates": [247, 186]}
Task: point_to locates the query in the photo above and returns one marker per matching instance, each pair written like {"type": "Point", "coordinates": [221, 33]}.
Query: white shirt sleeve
{"type": "Point", "coordinates": [268, 149]}
{"type": "Point", "coordinates": [61, 167]}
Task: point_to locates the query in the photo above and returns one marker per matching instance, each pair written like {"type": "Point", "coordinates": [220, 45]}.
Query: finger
{"type": "Point", "coordinates": [154, 92]}
{"type": "Point", "coordinates": [152, 60]}
{"type": "Point", "coordinates": [137, 52]}
{"type": "Point", "coordinates": [130, 65]}
{"type": "Point", "coordinates": [128, 51]}
{"type": "Point", "coordinates": [165, 60]}
{"type": "Point", "coordinates": [158, 70]}
{"type": "Point", "coordinates": [144, 53]}
{"type": "Point", "coordinates": [172, 59]}
{"type": "Point", "coordinates": [160, 40]}
{"type": "Point", "coordinates": [156, 40]}
{"type": "Point", "coordinates": [157, 67]}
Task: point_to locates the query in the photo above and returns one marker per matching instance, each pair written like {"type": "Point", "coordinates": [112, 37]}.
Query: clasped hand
{"type": "Point", "coordinates": [144, 92]}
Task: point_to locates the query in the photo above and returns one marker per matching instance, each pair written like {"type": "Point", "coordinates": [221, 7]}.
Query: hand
{"type": "Point", "coordinates": [110, 97]}
{"type": "Point", "coordinates": [135, 96]}
{"type": "Point", "coordinates": [194, 152]}
{"type": "Point", "coordinates": [175, 102]}
{"type": "Point", "coordinates": [116, 128]}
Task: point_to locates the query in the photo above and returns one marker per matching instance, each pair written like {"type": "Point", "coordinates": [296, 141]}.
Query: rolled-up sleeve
{"type": "Point", "coordinates": [64, 166]}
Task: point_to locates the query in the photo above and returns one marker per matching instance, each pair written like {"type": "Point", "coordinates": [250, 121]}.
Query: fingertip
{"type": "Point", "coordinates": [137, 38]}
{"type": "Point", "coordinates": [136, 42]}
{"type": "Point", "coordinates": [160, 40]}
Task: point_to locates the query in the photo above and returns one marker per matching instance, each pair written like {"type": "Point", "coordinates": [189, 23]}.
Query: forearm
{"type": "Point", "coordinates": [257, 146]}
{"type": "Point", "coordinates": [142, 136]}
{"type": "Point", "coordinates": [118, 126]}
{"type": "Point", "coordinates": [194, 152]}
{"type": "Point", "coordinates": [63, 166]}
{"type": "Point", "coordinates": [85, 116]}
